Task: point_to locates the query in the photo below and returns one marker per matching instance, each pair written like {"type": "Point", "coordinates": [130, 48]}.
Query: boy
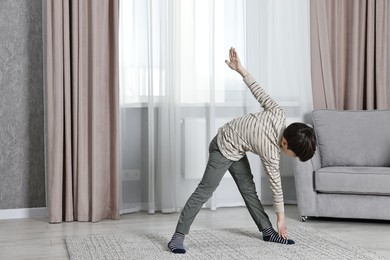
{"type": "Point", "coordinates": [262, 133]}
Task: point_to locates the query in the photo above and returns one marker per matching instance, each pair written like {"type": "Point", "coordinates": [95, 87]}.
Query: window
{"type": "Point", "coordinates": [176, 45]}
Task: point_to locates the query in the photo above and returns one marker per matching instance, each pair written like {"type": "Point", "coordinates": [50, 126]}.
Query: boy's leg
{"type": "Point", "coordinates": [243, 177]}
{"type": "Point", "coordinates": [216, 167]}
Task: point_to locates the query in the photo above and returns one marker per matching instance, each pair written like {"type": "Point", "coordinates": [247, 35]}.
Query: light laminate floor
{"type": "Point", "coordinates": [37, 239]}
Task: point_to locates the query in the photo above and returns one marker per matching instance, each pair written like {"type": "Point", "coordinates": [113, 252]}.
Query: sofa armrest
{"type": "Point", "coordinates": [304, 184]}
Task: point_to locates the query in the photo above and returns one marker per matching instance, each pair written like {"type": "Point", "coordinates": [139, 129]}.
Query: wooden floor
{"type": "Point", "coordinates": [36, 239]}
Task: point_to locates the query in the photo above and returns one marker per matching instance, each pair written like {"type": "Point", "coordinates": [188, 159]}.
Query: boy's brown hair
{"type": "Point", "coordinates": [301, 139]}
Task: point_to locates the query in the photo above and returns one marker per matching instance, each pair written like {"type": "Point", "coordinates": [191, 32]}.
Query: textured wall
{"type": "Point", "coordinates": [22, 168]}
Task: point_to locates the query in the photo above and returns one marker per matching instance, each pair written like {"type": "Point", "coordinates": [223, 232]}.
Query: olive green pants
{"type": "Point", "coordinates": [215, 169]}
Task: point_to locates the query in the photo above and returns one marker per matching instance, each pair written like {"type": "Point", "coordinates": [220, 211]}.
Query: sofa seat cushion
{"type": "Point", "coordinates": [353, 180]}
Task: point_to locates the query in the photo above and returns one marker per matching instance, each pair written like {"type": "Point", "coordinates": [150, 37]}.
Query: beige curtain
{"type": "Point", "coordinates": [349, 46]}
{"type": "Point", "coordinates": [82, 110]}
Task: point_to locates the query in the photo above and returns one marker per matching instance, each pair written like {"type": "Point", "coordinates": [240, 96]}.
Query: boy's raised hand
{"type": "Point", "coordinates": [234, 62]}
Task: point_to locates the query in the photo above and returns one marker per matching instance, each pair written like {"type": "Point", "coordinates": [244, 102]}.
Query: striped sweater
{"type": "Point", "coordinates": [259, 133]}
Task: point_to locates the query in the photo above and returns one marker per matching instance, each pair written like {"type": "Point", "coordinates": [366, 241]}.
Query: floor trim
{"type": "Point", "coordinates": [23, 213]}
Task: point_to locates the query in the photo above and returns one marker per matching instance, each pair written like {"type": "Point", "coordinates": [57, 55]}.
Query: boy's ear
{"type": "Point", "coordinates": [284, 142]}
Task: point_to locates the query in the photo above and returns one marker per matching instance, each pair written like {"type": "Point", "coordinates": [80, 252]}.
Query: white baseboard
{"type": "Point", "coordinates": [130, 210]}
{"type": "Point", "coordinates": [228, 205]}
{"type": "Point", "coordinates": [286, 202]}
{"type": "Point", "coordinates": [23, 213]}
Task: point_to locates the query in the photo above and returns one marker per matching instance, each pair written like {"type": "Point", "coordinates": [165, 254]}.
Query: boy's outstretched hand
{"type": "Point", "coordinates": [235, 64]}
{"type": "Point", "coordinates": [281, 225]}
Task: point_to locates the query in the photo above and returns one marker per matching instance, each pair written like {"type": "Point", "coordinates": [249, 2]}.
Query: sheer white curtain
{"type": "Point", "coordinates": [285, 55]}
{"type": "Point", "coordinates": [176, 89]}
{"type": "Point", "coordinates": [175, 92]}
{"type": "Point", "coordinates": [279, 44]}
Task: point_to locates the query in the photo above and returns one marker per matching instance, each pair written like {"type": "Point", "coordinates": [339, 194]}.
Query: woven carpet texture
{"type": "Point", "coordinates": [238, 243]}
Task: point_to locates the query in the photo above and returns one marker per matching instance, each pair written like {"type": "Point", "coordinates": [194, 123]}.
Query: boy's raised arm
{"type": "Point", "coordinates": [258, 92]}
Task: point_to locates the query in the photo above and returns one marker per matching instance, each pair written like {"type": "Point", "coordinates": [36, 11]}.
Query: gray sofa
{"type": "Point", "coordinates": [349, 175]}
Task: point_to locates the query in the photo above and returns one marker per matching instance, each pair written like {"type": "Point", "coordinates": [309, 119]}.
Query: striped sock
{"type": "Point", "coordinates": [176, 243]}
{"type": "Point", "coordinates": [270, 235]}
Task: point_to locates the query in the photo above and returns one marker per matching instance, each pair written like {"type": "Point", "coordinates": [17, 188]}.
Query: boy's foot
{"type": "Point", "coordinates": [270, 235]}
{"type": "Point", "coordinates": [176, 243]}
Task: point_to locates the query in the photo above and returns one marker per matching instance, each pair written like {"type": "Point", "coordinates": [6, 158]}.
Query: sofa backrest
{"type": "Point", "coordinates": [353, 138]}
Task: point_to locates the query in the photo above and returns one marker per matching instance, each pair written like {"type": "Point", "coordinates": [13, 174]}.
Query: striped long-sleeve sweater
{"type": "Point", "coordinates": [259, 133]}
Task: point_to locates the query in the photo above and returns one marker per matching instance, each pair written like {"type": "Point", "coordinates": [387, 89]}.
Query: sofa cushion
{"type": "Point", "coordinates": [353, 180]}
{"type": "Point", "coordinates": [353, 138]}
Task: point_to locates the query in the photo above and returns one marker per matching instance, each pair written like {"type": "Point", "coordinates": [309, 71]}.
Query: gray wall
{"type": "Point", "coordinates": [22, 167]}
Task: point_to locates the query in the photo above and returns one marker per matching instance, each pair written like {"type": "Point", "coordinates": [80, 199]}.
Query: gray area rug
{"type": "Point", "coordinates": [240, 243]}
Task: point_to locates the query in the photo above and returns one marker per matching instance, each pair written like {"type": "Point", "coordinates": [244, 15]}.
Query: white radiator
{"type": "Point", "coordinates": [196, 146]}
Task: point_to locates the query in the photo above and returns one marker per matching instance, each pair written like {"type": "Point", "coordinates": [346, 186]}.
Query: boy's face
{"type": "Point", "coordinates": [284, 147]}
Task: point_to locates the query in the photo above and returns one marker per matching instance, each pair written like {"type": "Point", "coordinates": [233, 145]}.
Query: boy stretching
{"type": "Point", "coordinates": [262, 133]}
